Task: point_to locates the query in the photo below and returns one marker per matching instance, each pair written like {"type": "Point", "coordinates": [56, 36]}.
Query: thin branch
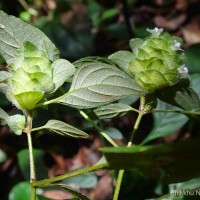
{"type": "Point", "coordinates": [98, 128]}
{"type": "Point", "coordinates": [46, 182]}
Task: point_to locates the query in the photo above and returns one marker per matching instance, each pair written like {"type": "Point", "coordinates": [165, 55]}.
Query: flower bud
{"type": "Point", "coordinates": [158, 60]}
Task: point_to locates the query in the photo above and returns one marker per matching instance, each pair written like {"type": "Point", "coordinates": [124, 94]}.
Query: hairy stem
{"type": "Point", "coordinates": [31, 156]}
{"type": "Point", "coordinates": [98, 128]}
{"type": "Point", "coordinates": [47, 182]}
{"type": "Point", "coordinates": [135, 128]}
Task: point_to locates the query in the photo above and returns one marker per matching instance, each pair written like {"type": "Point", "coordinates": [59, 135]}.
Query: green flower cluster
{"type": "Point", "coordinates": [31, 77]}
{"type": "Point", "coordinates": [158, 60]}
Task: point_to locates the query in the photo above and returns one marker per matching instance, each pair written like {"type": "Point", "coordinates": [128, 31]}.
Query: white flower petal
{"type": "Point", "coordinates": [176, 46]}
{"type": "Point", "coordinates": [155, 32]}
{"type": "Point", "coordinates": [183, 69]}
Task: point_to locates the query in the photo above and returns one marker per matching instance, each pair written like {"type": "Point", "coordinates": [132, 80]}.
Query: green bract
{"type": "Point", "coordinates": [158, 60]}
{"type": "Point", "coordinates": [32, 75]}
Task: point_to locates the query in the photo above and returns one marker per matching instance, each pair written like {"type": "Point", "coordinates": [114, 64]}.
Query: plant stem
{"type": "Point", "coordinates": [118, 184]}
{"type": "Point", "coordinates": [98, 128]}
{"type": "Point", "coordinates": [47, 182]}
{"type": "Point", "coordinates": [31, 156]}
{"type": "Point", "coordinates": [135, 128]}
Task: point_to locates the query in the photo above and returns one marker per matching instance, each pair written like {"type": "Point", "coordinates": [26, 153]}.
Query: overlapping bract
{"type": "Point", "coordinates": [31, 77]}
{"type": "Point", "coordinates": [158, 60]}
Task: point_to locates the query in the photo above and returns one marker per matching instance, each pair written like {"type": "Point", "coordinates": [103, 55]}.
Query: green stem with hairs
{"type": "Point", "coordinates": [47, 182]}
{"type": "Point", "coordinates": [31, 156]}
{"type": "Point", "coordinates": [137, 123]}
{"type": "Point", "coordinates": [135, 128]}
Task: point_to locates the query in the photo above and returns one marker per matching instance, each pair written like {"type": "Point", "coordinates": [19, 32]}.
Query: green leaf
{"type": "Point", "coordinates": [185, 98]}
{"type": "Point", "coordinates": [122, 58]}
{"type": "Point", "coordinates": [169, 163]}
{"type": "Point", "coordinates": [192, 58]}
{"type": "Point", "coordinates": [98, 84]}
{"type": "Point", "coordinates": [93, 10]}
{"type": "Point", "coordinates": [16, 123]}
{"type": "Point", "coordinates": [112, 110]}
{"type": "Point", "coordinates": [113, 133]}
{"type": "Point", "coordinates": [87, 180]}
{"type": "Point", "coordinates": [91, 60]}
{"type": "Point", "coordinates": [16, 32]}
{"type": "Point", "coordinates": [62, 71]}
{"type": "Point", "coordinates": [73, 191]}
{"type": "Point", "coordinates": [20, 191]}
{"type": "Point", "coordinates": [23, 161]}
{"type": "Point", "coordinates": [109, 13]}
{"type": "Point", "coordinates": [165, 123]}
{"type": "Point", "coordinates": [177, 190]}
{"type": "Point", "coordinates": [3, 114]}
{"type": "Point", "coordinates": [63, 128]}
{"type": "Point", "coordinates": [28, 100]}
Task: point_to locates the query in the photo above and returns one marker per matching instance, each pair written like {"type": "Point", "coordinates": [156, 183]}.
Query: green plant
{"type": "Point", "coordinates": [153, 70]}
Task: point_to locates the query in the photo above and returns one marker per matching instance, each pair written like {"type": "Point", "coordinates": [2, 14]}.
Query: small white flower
{"type": "Point", "coordinates": [183, 70]}
{"type": "Point", "coordinates": [155, 32]}
{"type": "Point", "coordinates": [176, 46]}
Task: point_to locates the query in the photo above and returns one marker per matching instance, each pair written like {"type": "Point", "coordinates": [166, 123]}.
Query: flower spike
{"type": "Point", "coordinates": [157, 64]}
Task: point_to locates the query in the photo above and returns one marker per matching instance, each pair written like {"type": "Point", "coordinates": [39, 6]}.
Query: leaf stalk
{"type": "Point", "coordinates": [109, 139]}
